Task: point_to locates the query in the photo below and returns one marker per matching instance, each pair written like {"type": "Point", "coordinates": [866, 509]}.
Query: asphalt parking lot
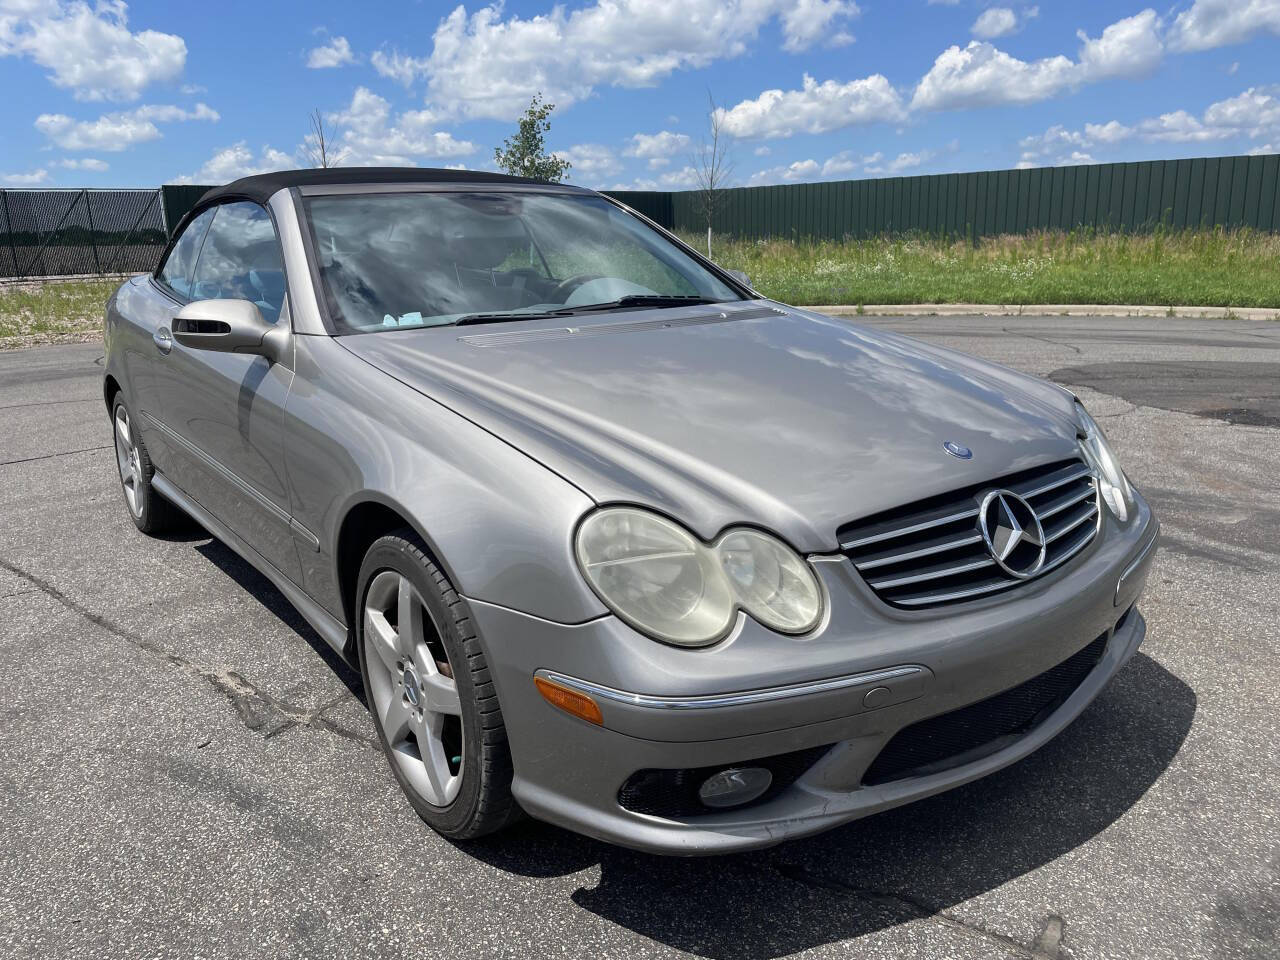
{"type": "Point", "coordinates": [186, 772]}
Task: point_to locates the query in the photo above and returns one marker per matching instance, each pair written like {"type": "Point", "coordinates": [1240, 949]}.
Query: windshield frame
{"type": "Point", "coordinates": [309, 242]}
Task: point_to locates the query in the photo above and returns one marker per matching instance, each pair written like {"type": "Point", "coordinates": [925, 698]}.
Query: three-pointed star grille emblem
{"type": "Point", "coordinates": [1012, 533]}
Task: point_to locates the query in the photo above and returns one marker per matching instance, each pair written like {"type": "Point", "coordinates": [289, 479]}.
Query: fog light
{"type": "Point", "coordinates": [735, 786]}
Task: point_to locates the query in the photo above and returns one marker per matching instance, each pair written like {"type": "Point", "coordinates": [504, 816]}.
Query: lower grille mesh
{"type": "Point", "coordinates": [951, 739]}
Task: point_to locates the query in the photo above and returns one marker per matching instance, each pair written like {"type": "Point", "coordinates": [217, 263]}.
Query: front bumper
{"type": "Point", "coordinates": [760, 695]}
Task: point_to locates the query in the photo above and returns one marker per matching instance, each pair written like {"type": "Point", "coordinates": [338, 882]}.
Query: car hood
{"type": "Point", "coordinates": [750, 413]}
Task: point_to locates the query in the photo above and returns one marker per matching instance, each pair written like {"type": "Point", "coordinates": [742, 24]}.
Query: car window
{"type": "Point", "coordinates": [431, 258]}
{"type": "Point", "coordinates": [176, 272]}
{"type": "Point", "coordinates": [240, 260]}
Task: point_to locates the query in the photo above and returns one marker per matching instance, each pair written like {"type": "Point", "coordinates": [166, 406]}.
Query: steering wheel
{"type": "Point", "coordinates": [568, 285]}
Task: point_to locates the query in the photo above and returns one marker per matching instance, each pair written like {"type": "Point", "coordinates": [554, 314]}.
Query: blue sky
{"type": "Point", "coordinates": [110, 94]}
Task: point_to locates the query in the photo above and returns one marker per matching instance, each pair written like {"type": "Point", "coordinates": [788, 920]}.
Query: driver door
{"type": "Point", "coordinates": [222, 413]}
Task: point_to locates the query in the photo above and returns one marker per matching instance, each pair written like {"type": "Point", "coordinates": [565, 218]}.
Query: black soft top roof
{"type": "Point", "coordinates": [262, 186]}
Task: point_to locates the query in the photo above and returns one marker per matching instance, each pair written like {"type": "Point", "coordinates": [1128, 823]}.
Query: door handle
{"type": "Point", "coordinates": [163, 339]}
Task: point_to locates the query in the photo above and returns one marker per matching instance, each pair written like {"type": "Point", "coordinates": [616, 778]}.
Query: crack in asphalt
{"type": "Point", "coordinates": [47, 403]}
{"type": "Point", "coordinates": [51, 456]}
{"type": "Point", "coordinates": [257, 709]}
{"type": "Point", "coordinates": [1046, 946]}
{"type": "Point", "coordinates": [1055, 343]}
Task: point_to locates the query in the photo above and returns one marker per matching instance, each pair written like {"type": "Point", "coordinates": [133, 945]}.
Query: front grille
{"type": "Point", "coordinates": [932, 552]}
{"type": "Point", "coordinates": [964, 735]}
{"type": "Point", "coordinates": [674, 793]}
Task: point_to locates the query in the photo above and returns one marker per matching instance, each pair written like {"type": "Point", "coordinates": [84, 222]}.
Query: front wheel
{"type": "Point", "coordinates": [429, 692]}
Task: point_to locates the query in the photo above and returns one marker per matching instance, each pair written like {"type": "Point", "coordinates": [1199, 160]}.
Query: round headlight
{"type": "Point", "coordinates": [771, 582]}
{"type": "Point", "coordinates": [655, 576]}
{"type": "Point", "coordinates": [668, 584]}
{"type": "Point", "coordinates": [1116, 490]}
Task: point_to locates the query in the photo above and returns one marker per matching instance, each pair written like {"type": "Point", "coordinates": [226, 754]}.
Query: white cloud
{"type": "Point", "coordinates": [809, 22]}
{"type": "Point", "coordinates": [397, 66]}
{"type": "Point", "coordinates": [117, 131]}
{"type": "Point", "coordinates": [483, 64]}
{"type": "Point", "coordinates": [1109, 132]}
{"type": "Point", "coordinates": [90, 50]}
{"type": "Point", "coordinates": [236, 161]}
{"type": "Point", "coordinates": [686, 178]}
{"type": "Point", "coordinates": [335, 53]}
{"type": "Point", "coordinates": [591, 161]}
{"type": "Point", "coordinates": [32, 179]}
{"type": "Point", "coordinates": [83, 163]}
{"type": "Point", "coordinates": [1254, 114]}
{"type": "Point", "coordinates": [1217, 23]}
{"type": "Point", "coordinates": [994, 22]}
{"type": "Point", "coordinates": [901, 163]}
{"type": "Point", "coordinates": [982, 75]}
{"type": "Point", "coordinates": [657, 148]}
{"type": "Point", "coordinates": [837, 166]}
{"type": "Point", "coordinates": [816, 108]}
{"type": "Point", "coordinates": [762, 151]}
{"type": "Point", "coordinates": [1266, 148]}
{"type": "Point", "coordinates": [368, 135]}
{"type": "Point", "coordinates": [1126, 48]}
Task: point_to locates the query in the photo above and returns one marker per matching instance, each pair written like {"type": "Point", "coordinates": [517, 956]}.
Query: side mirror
{"type": "Point", "coordinates": [228, 326]}
{"type": "Point", "coordinates": [741, 277]}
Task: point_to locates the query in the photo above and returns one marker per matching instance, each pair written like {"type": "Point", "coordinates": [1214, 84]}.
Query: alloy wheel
{"type": "Point", "coordinates": [412, 684]}
{"type": "Point", "coordinates": [127, 460]}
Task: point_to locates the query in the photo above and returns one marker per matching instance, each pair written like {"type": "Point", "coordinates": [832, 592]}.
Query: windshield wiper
{"type": "Point", "coordinates": [630, 300]}
{"type": "Point", "coordinates": [646, 300]}
{"type": "Point", "coordinates": [471, 318]}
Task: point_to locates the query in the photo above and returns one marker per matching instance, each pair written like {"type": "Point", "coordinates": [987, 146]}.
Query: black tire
{"type": "Point", "coordinates": [484, 803]}
{"type": "Point", "coordinates": [150, 512]}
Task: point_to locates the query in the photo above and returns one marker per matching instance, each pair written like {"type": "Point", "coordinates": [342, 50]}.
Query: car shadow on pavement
{"type": "Point", "coordinates": [906, 864]}
{"type": "Point", "coordinates": [249, 579]}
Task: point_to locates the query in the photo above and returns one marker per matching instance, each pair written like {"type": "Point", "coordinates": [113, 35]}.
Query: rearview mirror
{"type": "Point", "coordinates": [228, 326]}
{"type": "Point", "coordinates": [741, 277]}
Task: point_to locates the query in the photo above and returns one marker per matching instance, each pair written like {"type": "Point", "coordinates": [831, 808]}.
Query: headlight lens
{"type": "Point", "coordinates": [1116, 490]}
{"type": "Point", "coordinates": [668, 584]}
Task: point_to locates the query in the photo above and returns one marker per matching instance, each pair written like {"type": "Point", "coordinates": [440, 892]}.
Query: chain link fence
{"type": "Point", "coordinates": [61, 233]}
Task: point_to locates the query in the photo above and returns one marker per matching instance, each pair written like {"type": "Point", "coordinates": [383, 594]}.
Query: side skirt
{"type": "Point", "coordinates": [333, 632]}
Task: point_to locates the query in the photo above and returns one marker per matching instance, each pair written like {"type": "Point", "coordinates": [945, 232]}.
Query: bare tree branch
{"type": "Point", "coordinates": [712, 165]}
{"type": "Point", "coordinates": [318, 148]}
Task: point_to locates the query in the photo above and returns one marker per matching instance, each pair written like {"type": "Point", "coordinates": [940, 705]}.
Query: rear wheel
{"type": "Point", "coordinates": [150, 512]}
{"type": "Point", "coordinates": [430, 693]}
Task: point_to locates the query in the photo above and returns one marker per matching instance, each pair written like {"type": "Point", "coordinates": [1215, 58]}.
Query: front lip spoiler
{"type": "Point", "coordinates": [740, 698]}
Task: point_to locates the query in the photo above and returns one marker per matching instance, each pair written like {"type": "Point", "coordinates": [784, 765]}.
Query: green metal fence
{"type": "Point", "coordinates": [62, 232]}
{"type": "Point", "coordinates": [1229, 192]}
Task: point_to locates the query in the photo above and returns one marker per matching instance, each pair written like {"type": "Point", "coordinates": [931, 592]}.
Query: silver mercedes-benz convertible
{"type": "Point", "coordinates": [613, 540]}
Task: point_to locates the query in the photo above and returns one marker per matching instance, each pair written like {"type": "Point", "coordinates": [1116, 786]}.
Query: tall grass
{"type": "Point", "coordinates": [1192, 268]}
{"type": "Point", "coordinates": [44, 312]}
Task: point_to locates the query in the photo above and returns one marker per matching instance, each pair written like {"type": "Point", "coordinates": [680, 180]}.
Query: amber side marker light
{"type": "Point", "coordinates": [570, 701]}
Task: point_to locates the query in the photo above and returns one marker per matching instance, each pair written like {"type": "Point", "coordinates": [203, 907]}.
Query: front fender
{"type": "Point", "coordinates": [499, 522]}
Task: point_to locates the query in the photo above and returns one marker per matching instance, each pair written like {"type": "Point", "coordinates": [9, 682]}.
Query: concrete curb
{"type": "Point", "coordinates": [1048, 310]}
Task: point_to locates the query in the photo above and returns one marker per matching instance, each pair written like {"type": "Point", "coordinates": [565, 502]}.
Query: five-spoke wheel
{"type": "Point", "coordinates": [428, 687]}
{"type": "Point", "coordinates": [414, 692]}
{"type": "Point", "coordinates": [127, 460]}
{"type": "Point", "coordinates": [150, 512]}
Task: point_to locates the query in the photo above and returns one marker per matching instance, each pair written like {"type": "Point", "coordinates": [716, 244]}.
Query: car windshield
{"type": "Point", "coordinates": [392, 260]}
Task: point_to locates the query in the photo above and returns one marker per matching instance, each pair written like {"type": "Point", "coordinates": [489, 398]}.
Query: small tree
{"type": "Point", "coordinates": [712, 166]}
{"type": "Point", "coordinates": [318, 147]}
{"type": "Point", "coordinates": [525, 154]}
